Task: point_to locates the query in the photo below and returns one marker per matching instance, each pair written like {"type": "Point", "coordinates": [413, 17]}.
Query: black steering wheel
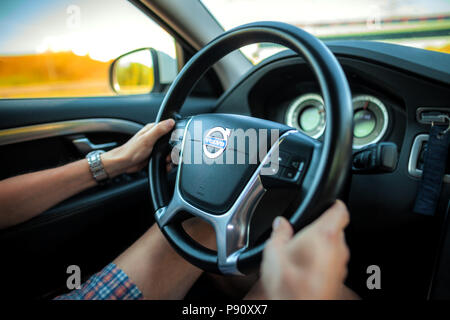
{"type": "Point", "coordinates": [226, 195]}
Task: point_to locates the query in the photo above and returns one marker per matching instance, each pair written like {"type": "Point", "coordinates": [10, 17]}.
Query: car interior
{"type": "Point", "coordinates": [385, 95]}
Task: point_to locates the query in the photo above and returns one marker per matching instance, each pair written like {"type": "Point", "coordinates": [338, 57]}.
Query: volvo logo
{"type": "Point", "coordinates": [215, 142]}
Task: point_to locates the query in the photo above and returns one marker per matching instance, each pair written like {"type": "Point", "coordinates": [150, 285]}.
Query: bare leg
{"type": "Point", "coordinates": [156, 269]}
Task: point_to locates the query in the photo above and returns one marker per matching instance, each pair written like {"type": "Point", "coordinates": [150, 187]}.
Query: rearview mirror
{"type": "Point", "coordinates": [142, 71]}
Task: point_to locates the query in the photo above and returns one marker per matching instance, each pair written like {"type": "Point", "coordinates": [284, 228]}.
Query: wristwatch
{"type": "Point", "coordinates": [95, 164]}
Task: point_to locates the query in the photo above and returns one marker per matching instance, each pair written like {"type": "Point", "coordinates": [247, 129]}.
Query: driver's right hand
{"type": "Point", "coordinates": [311, 264]}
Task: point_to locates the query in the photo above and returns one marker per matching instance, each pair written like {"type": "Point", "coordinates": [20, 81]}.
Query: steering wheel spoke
{"type": "Point", "coordinates": [232, 228]}
{"type": "Point", "coordinates": [177, 205]}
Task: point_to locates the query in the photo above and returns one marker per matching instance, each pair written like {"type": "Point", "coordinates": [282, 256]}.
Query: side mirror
{"type": "Point", "coordinates": [142, 71]}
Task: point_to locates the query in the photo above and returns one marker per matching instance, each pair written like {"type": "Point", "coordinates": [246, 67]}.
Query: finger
{"type": "Point", "coordinates": [282, 231]}
{"type": "Point", "coordinates": [159, 130]}
{"type": "Point", "coordinates": [168, 159]}
{"type": "Point", "coordinates": [335, 218]}
{"type": "Point", "coordinates": [146, 128]}
{"type": "Point", "coordinates": [342, 253]}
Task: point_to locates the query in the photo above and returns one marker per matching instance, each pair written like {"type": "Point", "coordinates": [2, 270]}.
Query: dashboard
{"type": "Point", "coordinates": [391, 87]}
{"type": "Point", "coordinates": [289, 94]}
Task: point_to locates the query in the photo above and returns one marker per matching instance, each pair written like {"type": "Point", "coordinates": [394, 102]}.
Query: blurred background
{"type": "Point", "coordinates": [417, 23]}
{"type": "Point", "coordinates": [64, 48]}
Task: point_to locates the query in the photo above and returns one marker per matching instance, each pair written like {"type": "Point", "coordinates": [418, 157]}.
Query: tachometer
{"type": "Point", "coordinates": [370, 120]}
{"type": "Point", "coordinates": [307, 114]}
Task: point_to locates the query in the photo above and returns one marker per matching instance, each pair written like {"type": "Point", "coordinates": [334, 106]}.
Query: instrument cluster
{"type": "Point", "coordinates": [307, 114]}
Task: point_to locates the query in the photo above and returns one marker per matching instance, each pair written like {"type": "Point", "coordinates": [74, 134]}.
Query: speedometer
{"type": "Point", "coordinates": [307, 114]}
{"type": "Point", "coordinates": [370, 120]}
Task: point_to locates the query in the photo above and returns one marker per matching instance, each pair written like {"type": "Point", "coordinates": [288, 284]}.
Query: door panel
{"type": "Point", "coordinates": [93, 227]}
{"type": "Point", "coordinates": [140, 108]}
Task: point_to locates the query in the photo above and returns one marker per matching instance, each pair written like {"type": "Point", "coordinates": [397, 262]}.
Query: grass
{"type": "Point", "coordinates": [62, 74]}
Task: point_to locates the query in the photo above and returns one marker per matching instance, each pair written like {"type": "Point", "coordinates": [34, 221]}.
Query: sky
{"type": "Point", "coordinates": [104, 29]}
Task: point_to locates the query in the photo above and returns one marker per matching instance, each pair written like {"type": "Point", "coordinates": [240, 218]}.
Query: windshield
{"type": "Point", "coordinates": [417, 23]}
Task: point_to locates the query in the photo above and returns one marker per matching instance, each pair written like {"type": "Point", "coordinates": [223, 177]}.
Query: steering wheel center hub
{"type": "Point", "coordinates": [215, 142]}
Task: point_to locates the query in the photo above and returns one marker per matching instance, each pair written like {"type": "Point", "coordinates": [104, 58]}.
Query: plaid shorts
{"type": "Point", "coordinates": [109, 284]}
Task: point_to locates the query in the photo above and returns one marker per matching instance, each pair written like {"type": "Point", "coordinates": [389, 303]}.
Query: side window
{"type": "Point", "coordinates": [70, 48]}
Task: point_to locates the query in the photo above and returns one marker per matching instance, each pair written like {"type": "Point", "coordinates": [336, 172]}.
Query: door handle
{"type": "Point", "coordinates": [84, 145]}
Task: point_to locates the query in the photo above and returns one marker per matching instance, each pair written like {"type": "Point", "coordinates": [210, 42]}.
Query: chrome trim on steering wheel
{"type": "Point", "coordinates": [231, 227]}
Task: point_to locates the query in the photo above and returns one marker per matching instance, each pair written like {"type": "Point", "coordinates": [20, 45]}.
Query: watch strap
{"type": "Point", "coordinates": [96, 166]}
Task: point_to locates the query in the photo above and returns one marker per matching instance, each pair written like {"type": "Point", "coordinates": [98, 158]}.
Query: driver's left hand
{"type": "Point", "coordinates": [133, 155]}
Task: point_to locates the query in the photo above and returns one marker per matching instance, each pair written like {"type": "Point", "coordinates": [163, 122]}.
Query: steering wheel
{"type": "Point", "coordinates": [226, 195]}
